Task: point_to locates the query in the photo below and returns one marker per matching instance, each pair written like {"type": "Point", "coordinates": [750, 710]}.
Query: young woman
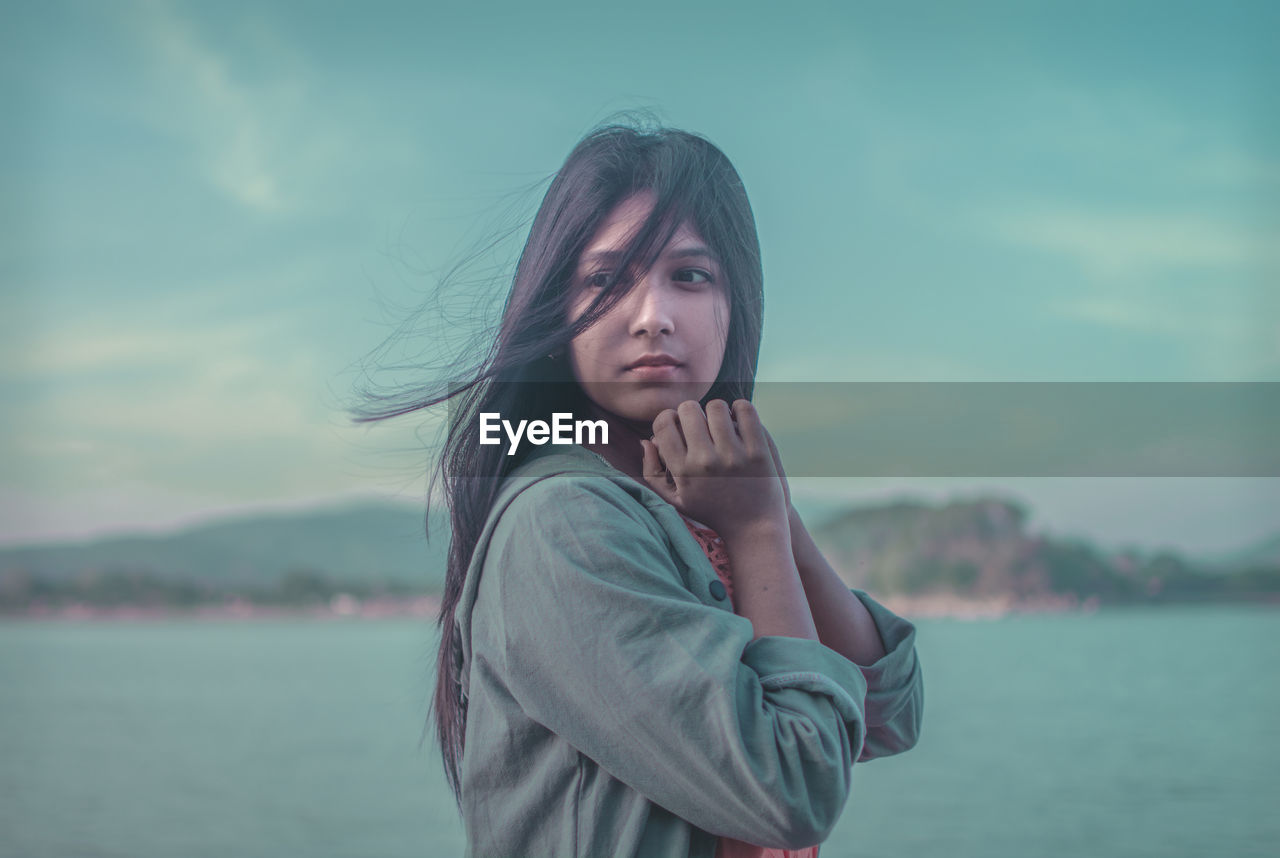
{"type": "Point", "coordinates": [642, 651]}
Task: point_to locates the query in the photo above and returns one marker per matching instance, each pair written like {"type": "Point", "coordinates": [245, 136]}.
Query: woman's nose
{"type": "Point", "coordinates": [652, 311]}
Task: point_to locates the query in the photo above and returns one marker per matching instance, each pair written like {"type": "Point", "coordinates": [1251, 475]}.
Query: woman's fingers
{"type": "Point", "coordinates": [720, 424]}
{"type": "Point", "coordinates": [655, 472]}
{"type": "Point", "coordinates": [751, 429]}
{"type": "Point", "coordinates": [705, 456]}
{"type": "Point", "coordinates": [719, 441]}
{"type": "Point", "coordinates": [697, 438]}
{"type": "Point", "coordinates": [667, 436]}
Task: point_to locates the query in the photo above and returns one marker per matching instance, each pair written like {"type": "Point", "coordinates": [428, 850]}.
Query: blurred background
{"type": "Point", "coordinates": [216, 599]}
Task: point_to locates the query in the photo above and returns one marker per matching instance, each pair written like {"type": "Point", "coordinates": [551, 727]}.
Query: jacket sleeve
{"type": "Point", "coordinates": [895, 686]}
{"type": "Point", "coordinates": [602, 643]}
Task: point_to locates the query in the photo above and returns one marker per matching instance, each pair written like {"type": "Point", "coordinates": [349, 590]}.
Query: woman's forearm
{"type": "Point", "coordinates": [766, 583]}
{"type": "Point", "coordinates": [842, 621]}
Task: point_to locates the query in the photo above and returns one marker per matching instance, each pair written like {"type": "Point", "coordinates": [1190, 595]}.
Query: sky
{"type": "Point", "coordinates": [212, 216]}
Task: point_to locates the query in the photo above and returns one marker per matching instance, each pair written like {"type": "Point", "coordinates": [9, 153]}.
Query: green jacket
{"type": "Point", "coordinates": [616, 707]}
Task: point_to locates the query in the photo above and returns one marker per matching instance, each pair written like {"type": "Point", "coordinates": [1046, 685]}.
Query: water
{"type": "Point", "coordinates": [1125, 732]}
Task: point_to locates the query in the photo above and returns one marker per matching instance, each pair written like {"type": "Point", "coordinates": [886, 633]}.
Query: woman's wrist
{"type": "Point", "coordinates": [765, 531]}
{"type": "Point", "coordinates": [809, 560]}
{"type": "Point", "coordinates": [766, 584]}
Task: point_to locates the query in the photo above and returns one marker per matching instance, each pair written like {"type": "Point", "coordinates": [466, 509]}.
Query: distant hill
{"type": "Point", "coordinates": [978, 548]}
{"type": "Point", "coordinates": [981, 548]}
{"type": "Point", "coordinates": [361, 543]}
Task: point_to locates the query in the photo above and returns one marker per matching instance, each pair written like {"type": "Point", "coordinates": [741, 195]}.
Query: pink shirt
{"type": "Point", "coordinates": [713, 547]}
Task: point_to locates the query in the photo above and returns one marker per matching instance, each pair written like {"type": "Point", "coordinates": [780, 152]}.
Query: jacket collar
{"type": "Point", "coordinates": [550, 459]}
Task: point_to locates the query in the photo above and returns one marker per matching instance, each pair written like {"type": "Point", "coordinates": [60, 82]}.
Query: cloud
{"type": "Point", "coordinates": [133, 402]}
{"type": "Point", "coordinates": [1150, 316]}
{"type": "Point", "coordinates": [233, 127]}
{"type": "Point", "coordinates": [105, 345]}
{"type": "Point", "coordinates": [234, 411]}
{"type": "Point", "coordinates": [867, 364]}
{"type": "Point", "coordinates": [1111, 245]}
{"type": "Point", "coordinates": [1201, 280]}
{"type": "Point", "coordinates": [1234, 168]}
{"type": "Point", "coordinates": [264, 125]}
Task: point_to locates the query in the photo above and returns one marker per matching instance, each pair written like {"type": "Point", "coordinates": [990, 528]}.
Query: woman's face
{"type": "Point", "coordinates": [676, 317]}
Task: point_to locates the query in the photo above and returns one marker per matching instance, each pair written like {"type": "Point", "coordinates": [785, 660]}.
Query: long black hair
{"type": "Point", "coordinates": [692, 181]}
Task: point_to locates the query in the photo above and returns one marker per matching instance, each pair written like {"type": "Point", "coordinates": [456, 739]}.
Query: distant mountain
{"type": "Point", "coordinates": [365, 543]}
{"type": "Point", "coordinates": [977, 548]}
{"type": "Point", "coordinates": [981, 548]}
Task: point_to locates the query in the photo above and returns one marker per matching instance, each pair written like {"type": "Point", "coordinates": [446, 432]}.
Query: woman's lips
{"type": "Point", "coordinates": [660, 372]}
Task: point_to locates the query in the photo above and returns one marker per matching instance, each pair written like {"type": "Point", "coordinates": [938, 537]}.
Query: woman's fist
{"type": "Point", "coordinates": [717, 467]}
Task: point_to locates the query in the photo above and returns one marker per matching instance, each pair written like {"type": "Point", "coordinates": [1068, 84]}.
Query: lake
{"type": "Point", "coordinates": [1123, 732]}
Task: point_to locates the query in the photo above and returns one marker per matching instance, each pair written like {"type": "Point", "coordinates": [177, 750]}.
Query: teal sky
{"type": "Point", "coordinates": [211, 213]}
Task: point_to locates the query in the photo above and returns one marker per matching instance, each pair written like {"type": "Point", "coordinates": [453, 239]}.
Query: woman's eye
{"type": "Point", "coordinates": [694, 272]}
{"type": "Point", "coordinates": [599, 280]}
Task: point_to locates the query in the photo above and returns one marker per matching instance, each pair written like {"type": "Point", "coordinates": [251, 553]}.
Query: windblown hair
{"type": "Point", "coordinates": [692, 181]}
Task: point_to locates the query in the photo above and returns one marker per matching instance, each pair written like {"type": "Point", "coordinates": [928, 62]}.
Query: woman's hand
{"type": "Point", "coordinates": [718, 467]}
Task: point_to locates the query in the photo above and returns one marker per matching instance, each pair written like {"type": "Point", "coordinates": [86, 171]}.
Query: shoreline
{"type": "Point", "coordinates": [341, 607]}
{"type": "Point", "coordinates": [345, 607]}
{"type": "Point", "coordinates": [945, 605]}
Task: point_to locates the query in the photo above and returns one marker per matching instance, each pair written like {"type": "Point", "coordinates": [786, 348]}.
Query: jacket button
{"type": "Point", "coordinates": [717, 590]}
